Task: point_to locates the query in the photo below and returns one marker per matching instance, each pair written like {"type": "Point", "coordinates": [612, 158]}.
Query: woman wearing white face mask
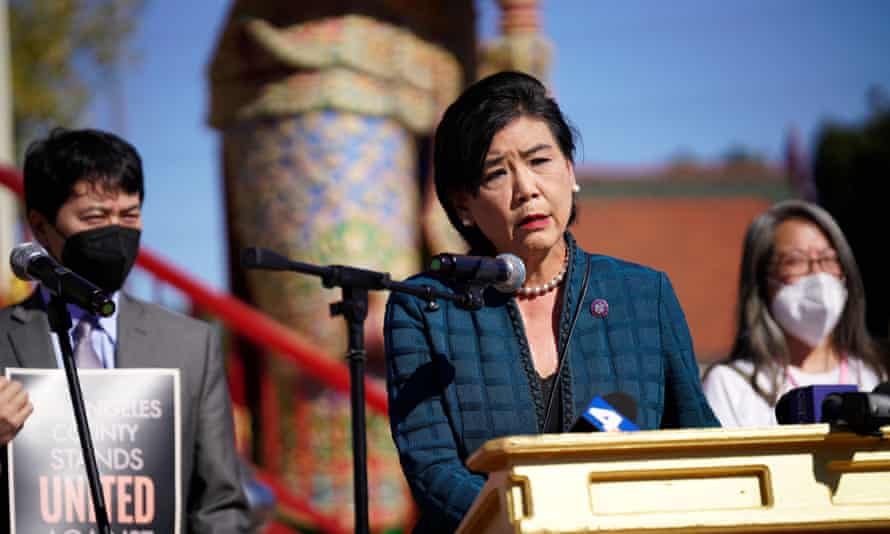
{"type": "Point", "coordinates": [801, 317]}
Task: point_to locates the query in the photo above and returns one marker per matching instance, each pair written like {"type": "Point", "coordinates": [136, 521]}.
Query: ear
{"type": "Point", "coordinates": [572, 180]}
{"type": "Point", "coordinates": [40, 227]}
{"type": "Point", "coordinates": [460, 201]}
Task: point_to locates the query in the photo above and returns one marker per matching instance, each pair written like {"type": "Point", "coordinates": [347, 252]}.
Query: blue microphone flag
{"type": "Point", "coordinates": [605, 418]}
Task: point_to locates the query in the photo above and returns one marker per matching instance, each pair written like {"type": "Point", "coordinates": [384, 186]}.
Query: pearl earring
{"type": "Point", "coordinates": [576, 188]}
{"type": "Point", "coordinates": [466, 222]}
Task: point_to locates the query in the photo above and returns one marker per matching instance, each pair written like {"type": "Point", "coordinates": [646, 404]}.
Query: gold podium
{"type": "Point", "coordinates": [798, 478]}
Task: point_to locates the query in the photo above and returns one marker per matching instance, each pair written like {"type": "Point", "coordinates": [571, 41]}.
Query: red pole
{"type": "Point", "coordinates": [262, 330]}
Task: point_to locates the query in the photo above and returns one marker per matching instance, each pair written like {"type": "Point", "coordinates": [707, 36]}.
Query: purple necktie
{"type": "Point", "coordinates": [84, 354]}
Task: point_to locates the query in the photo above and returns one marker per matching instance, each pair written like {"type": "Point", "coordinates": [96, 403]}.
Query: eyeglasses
{"type": "Point", "coordinates": [799, 264]}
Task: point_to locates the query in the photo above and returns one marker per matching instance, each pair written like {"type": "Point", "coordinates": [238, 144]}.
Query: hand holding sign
{"type": "Point", "coordinates": [15, 407]}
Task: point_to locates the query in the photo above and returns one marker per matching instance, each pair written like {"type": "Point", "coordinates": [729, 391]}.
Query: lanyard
{"type": "Point", "coordinates": [842, 379]}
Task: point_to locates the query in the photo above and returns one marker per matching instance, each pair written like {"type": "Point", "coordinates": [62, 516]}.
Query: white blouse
{"type": "Point", "coordinates": [733, 400]}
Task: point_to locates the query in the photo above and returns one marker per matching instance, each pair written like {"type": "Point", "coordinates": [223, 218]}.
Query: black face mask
{"type": "Point", "coordinates": [104, 256]}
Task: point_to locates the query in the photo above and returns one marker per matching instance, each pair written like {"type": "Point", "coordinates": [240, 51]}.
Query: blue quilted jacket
{"type": "Point", "coordinates": [459, 378]}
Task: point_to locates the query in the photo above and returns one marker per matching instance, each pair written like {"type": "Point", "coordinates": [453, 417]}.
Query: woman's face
{"type": "Point", "coordinates": [525, 200]}
{"type": "Point", "coordinates": [801, 248]}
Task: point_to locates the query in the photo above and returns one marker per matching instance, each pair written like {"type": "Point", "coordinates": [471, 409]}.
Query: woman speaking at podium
{"type": "Point", "coordinates": [528, 361]}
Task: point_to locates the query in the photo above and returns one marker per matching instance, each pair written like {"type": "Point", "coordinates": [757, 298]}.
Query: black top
{"type": "Point", "coordinates": [555, 423]}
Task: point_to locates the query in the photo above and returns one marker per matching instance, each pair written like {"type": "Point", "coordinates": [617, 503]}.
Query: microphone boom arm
{"type": "Point", "coordinates": [345, 276]}
{"type": "Point", "coordinates": [355, 284]}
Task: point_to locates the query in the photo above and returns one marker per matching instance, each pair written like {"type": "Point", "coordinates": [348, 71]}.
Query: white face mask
{"type": "Point", "coordinates": [810, 308]}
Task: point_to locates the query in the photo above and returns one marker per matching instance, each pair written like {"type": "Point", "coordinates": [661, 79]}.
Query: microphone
{"type": "Point", "coordinates": [506, 272]}
{"type": "Point", "coordinates": [864, 413]}
{"type": "Point", "coordinates": [261, 258]}
{"type": "Point", "coordinates": [331, 275]}
{"type": "Point", "coordinates": [612, 413]}
{"type": "Point", "coordinates": [30, 261]}
{"type": "Point", "coordinates": [806, 404]}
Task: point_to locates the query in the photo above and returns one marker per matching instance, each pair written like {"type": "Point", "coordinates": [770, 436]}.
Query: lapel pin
{"type": "Point", "coordinates": [599, 308]}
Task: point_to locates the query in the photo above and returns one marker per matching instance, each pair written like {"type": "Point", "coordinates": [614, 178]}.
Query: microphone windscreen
{"type": "Point", "coordinates": [516, 273]}
{"type": "Point", "coordinates": [21, 257]}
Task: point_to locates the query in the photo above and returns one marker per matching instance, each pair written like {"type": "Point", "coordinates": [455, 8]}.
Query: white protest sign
{"type": "Point", "coordinates": [133, 416]}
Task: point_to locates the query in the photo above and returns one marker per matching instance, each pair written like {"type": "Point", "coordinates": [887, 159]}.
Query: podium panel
{"type": "Point", "coordinates": [798, 478]}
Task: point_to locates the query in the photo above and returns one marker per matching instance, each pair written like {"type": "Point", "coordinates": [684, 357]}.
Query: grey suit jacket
{"type": "Point", "coordinates": [150, 336]}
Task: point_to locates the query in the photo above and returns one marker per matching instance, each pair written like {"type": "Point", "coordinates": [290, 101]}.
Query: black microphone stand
{"type": "Point", "coordinates": [355, 284]}
{"type": "Point", "coordinates": [60, 323]}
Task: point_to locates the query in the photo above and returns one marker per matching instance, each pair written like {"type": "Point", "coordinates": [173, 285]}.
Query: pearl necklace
{"type": "Point", "coordinates": [536, 291]}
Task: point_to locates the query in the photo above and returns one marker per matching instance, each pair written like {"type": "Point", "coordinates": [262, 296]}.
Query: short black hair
{"type": "Point", "coordinates": [54, 164]}
{"type": "Point", "coordinates": [464, 136]}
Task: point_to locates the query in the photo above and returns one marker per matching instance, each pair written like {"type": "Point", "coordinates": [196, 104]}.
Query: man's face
{"type": "Point", "coordinates": [89, 206]}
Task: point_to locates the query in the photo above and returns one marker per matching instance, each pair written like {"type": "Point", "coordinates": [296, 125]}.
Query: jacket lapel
{"type": "Point", "coordinates": [30, 340]}
{"type": "Point", "coordinates": [132, 334]}
{"type": "Point", "coordinates": [576, 391]}
{"type": "Point", "coordinates": [592, 365]}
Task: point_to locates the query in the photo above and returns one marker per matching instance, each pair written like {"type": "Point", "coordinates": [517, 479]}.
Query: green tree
{"type": "Point", "coordinates": [63, 52]}
{"type": "Point", "coordinates": [851, 168]}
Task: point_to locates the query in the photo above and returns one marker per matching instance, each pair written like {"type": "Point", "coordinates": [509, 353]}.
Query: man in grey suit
{"type": "Point", "coordinates": [83, 194]}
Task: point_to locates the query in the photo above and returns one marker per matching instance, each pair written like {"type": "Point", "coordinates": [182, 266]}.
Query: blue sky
{"type": "Point", "coordinates": [642, 80]}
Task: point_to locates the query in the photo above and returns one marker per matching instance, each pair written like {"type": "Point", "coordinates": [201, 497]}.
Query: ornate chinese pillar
{"type": "Point", "coordinates": [521, 46]}
{"type": "Point", "coordinates": [320, 112]}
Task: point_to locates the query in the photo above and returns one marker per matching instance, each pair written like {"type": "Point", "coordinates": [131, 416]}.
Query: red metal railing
{"type": "Point", "coordinates": [243, 319]}
{"type": "Point", "coordinates": [261, 329]}
{"type": "Point", "coordinates": [12, 180]}
{"type": "Point", "coordinates": [252, 324]}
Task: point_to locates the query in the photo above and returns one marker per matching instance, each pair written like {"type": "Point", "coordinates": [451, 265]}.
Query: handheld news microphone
{"type": "Point", "coordinates": [861, 412]}
{"type": "Point", "coordinates": [30, 261]}
{"type": "Point", "coordinates": [806, 404]}
{"type": "Point", "coordinates": [613, 412]}
{"type": "Point", "coordinates": [506, 272]}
